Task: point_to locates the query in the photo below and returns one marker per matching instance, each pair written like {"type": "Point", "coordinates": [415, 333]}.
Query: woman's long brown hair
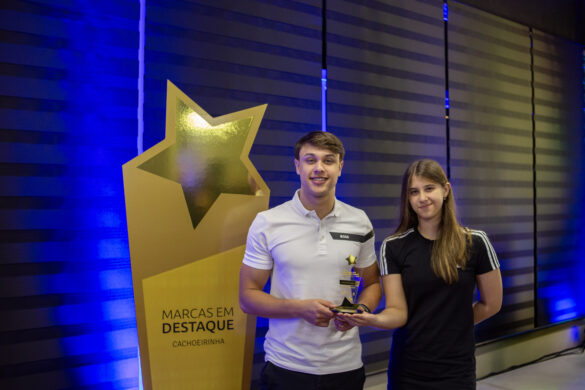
{"type": "Point", "coordinates": [451, 249]}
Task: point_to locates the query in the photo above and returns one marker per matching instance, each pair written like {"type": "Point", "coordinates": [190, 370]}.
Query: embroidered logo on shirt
{"type": "Point", "coordinates": [352, 237]}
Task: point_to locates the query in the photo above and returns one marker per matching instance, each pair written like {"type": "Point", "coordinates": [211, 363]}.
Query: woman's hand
{"type": "Point", "coordinates": [341, 324]}
{"type": "Point", "coordinates": [357, 319]}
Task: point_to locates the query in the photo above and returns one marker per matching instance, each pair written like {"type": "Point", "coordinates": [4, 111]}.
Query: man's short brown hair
{"type": "Point", "coordinates": [323, 140]}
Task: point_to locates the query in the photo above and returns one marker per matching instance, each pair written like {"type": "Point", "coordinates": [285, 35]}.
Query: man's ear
{"type": "Point", "coordinates": [340, 167]}
{"type": "Point", "coordinates": [297, 166]}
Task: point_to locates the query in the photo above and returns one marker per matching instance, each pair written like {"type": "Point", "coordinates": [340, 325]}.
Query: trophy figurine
{"type": "Point", "coordinates": [351, 280]}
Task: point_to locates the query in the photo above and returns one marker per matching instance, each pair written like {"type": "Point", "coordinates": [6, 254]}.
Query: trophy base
{"type": "Point", "coordinates": [346, 307]}
{"type": "Point", "coordinates": [342, 309]}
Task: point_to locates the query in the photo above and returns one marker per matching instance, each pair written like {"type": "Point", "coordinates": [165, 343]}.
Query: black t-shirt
{"type": "Point", "coordinates": [438, 340]}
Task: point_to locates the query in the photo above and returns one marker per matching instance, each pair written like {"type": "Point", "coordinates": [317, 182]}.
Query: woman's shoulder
{"type": "Point", "coordinates": [476, 234]}
{"type": "Point", "coordinates": [482, 248]}
{"type": "Point", "coordinates": [399, 237]}
{"type": "Point", "coordinates": [393, 246]}
{"type": "Point", "coordinates": [479, 239]}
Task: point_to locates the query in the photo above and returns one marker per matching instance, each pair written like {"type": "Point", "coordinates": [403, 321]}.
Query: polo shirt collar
{"type": "Point", "coordinates": [303, 211]}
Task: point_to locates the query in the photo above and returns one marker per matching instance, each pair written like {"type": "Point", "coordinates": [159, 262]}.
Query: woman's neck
{"type": "Point", "coordinates": [429, 229]}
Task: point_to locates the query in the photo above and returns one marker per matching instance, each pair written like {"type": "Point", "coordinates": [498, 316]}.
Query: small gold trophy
{"type": "Point", "coordinates": [353, 282]}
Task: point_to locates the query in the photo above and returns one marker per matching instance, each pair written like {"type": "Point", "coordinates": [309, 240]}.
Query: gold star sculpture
{"type": "Point", "coordinates": [351, 260]}
{"type": "Point", "coordinates": [209, 155]}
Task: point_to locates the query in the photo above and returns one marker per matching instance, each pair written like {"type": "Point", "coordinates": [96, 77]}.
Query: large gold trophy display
{"type": "Point", "coordinates": [189, 201]}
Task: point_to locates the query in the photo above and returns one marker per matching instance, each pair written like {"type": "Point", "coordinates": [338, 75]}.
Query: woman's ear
{"type": "Point", "coordinates": [447, 190]}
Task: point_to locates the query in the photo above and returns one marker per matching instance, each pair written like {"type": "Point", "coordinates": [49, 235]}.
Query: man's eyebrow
{"type": "Point", "coordinates": [328, 155]}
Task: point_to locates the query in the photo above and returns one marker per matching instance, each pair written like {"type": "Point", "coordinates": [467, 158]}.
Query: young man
{"type": "Point", "coordinates": [308, 246]}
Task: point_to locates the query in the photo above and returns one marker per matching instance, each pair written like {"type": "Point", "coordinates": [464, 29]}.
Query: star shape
{"type": "Point", "coordinates": [207, 155]}
{"type": "Point", "coordinates": [351, 260]}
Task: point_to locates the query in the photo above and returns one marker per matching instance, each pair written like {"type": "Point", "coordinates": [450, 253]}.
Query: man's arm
{"type": "Point", "coordinates": [489, 286]}
{"type": "Point", "coordinates": [255, 301]}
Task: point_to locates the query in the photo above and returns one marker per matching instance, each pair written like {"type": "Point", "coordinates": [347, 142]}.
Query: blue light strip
{"type": "Point", "coordinates": [324, 99]}
{"type": "Point", "coordinates": [447, 105]}
{"type": "Point", "coordinates": [140, 382]}
{"type": "Point", "coordinates": [445, 12]}
{"type": "Point", "coordinates": [141, 30]}
{"type": "Point", "coordinates": [140, 137]}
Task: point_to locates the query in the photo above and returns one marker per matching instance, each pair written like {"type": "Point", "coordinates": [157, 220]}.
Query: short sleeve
{"type": "Point", "coordinates": [486, 258]}
{"type": "Point", "coordinates": [387, 262]}
{"type": "Point", "coordinates": [257, 254]}
{"type": "Point", "coordinates": [367, 255]}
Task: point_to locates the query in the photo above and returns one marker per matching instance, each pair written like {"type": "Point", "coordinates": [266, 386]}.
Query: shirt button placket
{"type": "Point", "coordinates": [322, 238]}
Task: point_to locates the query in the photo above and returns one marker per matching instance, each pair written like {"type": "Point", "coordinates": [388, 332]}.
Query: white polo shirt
{"type": "Point", "coordinates": [307, 256]}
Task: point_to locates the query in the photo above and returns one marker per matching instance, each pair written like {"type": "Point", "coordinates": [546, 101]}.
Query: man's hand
{"type": "Point", "coordinates": [316, 311]}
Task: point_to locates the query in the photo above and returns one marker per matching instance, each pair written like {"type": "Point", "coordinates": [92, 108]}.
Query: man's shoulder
{"type": "Point", "coordinates": [349, 210]}
{"type": "Point", "coordinates": [276, 212]}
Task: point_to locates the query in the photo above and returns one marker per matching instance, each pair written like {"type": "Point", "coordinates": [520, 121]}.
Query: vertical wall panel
{"type": "Point", "coordinates": [385, 99]}
{"type": "Point", "coordinates": [558, 91]}
{"type": "Point", "coordinates": [491, 150]}
{"type": "Point", "coordinates": [386, 91]}
{"type": "Point", "coordinates": [68, 98]}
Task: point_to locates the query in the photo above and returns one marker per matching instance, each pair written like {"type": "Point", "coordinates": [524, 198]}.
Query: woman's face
{"type": "Point", "coordinates": [426, 198]}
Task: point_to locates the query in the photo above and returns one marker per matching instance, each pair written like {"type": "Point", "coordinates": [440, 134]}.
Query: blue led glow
{"type": "Point", "coordinates": [447, 103]}
{"type": "Point", "coordinates": [95, 311]}
{"type": "Point", "coordinates": [140, 382]}
{"type": "Point", "coordinates": [562, 300]}
{"type": "Point", "coordinates": [140, 138]}
{"type": "Point", "coordinates": [575, 333]}
{"type": "Point", "coordinates": [141, 39]}
{"type": "Point", "coordinates": [445, 12]}
{"type": "Point", "coordinates": [324, 99]}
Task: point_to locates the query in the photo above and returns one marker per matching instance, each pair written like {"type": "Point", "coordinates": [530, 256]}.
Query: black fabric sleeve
{"type": "Point", "coordinates": [486, 258]}
{"type": "Point", "coordinates": [388, 264]}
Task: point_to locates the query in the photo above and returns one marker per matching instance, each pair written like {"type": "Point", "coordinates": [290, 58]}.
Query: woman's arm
{"type": "Point", "coordinates": [489, 286]}
{"type": "Point", "coordinates": [394, 314]}
{"type": "Point", "coordinates": [371, 291]}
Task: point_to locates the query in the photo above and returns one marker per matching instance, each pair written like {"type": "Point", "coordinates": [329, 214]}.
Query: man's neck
{"type": "Point", "coordinates": [322, 206]}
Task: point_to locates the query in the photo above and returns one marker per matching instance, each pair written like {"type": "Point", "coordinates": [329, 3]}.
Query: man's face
{"type": "Point", "coordinates": [318, 170]}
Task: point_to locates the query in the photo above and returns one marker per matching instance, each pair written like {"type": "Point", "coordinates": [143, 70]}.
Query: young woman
{"type": "Point", "coordinates": [430, 267]}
